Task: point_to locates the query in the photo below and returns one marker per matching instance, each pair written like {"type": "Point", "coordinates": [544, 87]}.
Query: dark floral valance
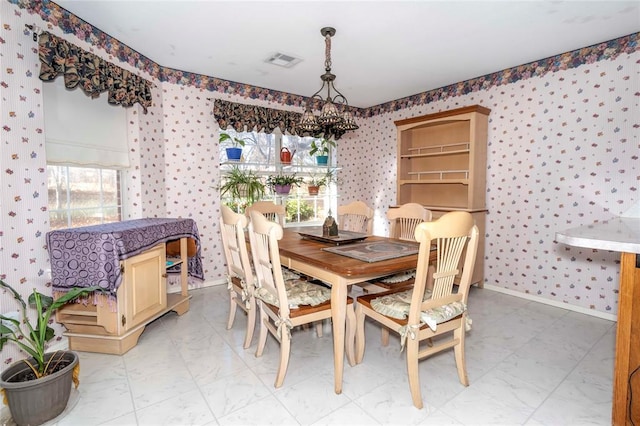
{"type": "Point", "coordinates": [92, 73]}
{"type": "Point", "coordinates": [256, 118]}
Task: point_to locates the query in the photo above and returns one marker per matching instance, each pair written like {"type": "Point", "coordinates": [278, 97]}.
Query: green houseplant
{"type": "Point", "coordinates": [37, 388]}
{"type": "Point", "coordinates": [315, 182]}
{"type": "Point", "coordinates": [282, 183]}
{"type": "Point", "coordinates": [234, 153]}
{"type": "Point", "coordinates": [243, 187]}
{"type": "Point", "coordinates": [321, 148]}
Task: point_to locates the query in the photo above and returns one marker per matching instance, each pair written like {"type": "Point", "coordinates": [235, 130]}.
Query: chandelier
{"type": "Point", "coordinates": [335, 118]}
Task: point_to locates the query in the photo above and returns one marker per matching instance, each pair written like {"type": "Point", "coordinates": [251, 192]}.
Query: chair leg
{"type": "Point", "coordinates": [412, 347]}
{"type": "Point", "coordinates": [319, 330]}
{"type": "Point", "coordinates": [384, 336]}
{"type": "Point", "coordinates": [251, 323]}
{"type": "Point", "coordinates": [458, 350]}
{"type": "Point", "coordinates": [285, 350]}
{"type": "Point", "coordinates": [232, 309]}
{"type": "Point", "coordinates": [262, 337]}
{"type": "Point", "coordinates": [350, 335]}
{"type": "Point", "coordinates": [359, 333]}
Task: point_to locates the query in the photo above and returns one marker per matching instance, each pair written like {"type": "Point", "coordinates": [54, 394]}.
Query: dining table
{"type": "Point", "coordinates": [307, 256]}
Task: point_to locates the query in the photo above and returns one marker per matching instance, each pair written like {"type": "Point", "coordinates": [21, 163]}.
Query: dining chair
{"type": "Point", "coordinates": [418, 314]}
{"type": "Point", "coordinates": [240, 279]}
{"type": "Point", "coordinates": [356, 217]}
{"type": "Point", "coordinates": [273, 212]}
{"type": "Point", "coordinates": [285, 304]}
{"type": "Point", "coordinates": [404, 219]}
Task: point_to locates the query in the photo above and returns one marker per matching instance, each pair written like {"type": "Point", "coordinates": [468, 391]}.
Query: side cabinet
{"type": "Point", "coordinates": [114, 326]}
{"type": "Point", "coordinates": [145, 291]}
{"type": "Point", "coordinates": [442, 164]}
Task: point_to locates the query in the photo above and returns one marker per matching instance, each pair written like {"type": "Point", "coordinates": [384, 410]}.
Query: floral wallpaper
{"type": "Point", "coordinates": [562, 151]}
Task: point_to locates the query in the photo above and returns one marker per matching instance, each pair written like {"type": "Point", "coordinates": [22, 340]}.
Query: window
{"type": "Point", "coordinates": [81, 196]}
{"type": "Point", "coordinates": [261, 153]}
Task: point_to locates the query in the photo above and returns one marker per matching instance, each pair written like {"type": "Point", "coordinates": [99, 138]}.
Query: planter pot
{"type": "Point", "coordinates": [282, 189]}
{"type": "Point", "coordinates": [322, 160]}
{"type": "Point", "coordinates": [313, 190]}
{"type": "Point", "coordinates": [33, 402]}
{"type": "Point", "coordinates": [234, 154]}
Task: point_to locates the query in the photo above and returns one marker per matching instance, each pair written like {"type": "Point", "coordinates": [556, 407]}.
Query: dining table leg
{"type": "Point", "coordinates": [338, 316]}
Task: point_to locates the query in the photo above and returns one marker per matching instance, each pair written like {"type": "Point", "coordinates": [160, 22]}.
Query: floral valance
{"type": "Point", "coordinates": [256, 118]}
{"type": "Point", "coordinates": [92, 73]}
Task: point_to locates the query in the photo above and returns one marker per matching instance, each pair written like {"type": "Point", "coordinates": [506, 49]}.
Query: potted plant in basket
{"type": "Point", "coordinates": [281, 183]}
{"type": "Point", "coordinates": [322, 147]}
{"type": "Point", "coordinates": [244, 187]}
{"type": "Point", "coordinates": [37, 389]}
{"type": "Point", "coordinates": [234, 153]}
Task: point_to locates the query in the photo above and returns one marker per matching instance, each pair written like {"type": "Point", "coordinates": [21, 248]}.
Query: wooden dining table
{"type": "Point", "coordinates": [307, 257]}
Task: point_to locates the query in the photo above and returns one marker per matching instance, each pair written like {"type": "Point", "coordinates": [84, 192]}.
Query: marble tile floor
{"type": "Point", "coordinates": [528, 364]}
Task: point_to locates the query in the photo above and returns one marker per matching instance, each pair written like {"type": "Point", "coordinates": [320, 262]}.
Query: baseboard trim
{"type": "Point", "coordinates": [562, 305]}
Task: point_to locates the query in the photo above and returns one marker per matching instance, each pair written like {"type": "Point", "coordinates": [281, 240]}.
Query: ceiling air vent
{"type": "Point", "coordinates": [282, 60]}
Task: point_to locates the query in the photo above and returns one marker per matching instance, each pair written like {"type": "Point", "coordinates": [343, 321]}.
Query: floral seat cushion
{"type": "Point", "coordinates": [396, 305]}
{"type": "Point", "coordinates": [299, 292]}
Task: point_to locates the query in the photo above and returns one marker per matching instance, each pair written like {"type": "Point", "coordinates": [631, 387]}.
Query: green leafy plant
{"type": "Point", "coordinates": [234, 140]}
{"type": "Point", "coordinates": [242, 184]}
{"type": "Point", "coordinates": [322, 146]}
{"type": "Point", "coordinates": [32, 338]}
{"type": "Point", "coordinates": [323, 179]}
{"type": "Point", "coordinates": [284, 179]}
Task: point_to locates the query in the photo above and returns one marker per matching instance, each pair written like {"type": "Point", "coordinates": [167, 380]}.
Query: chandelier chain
{"type": "Point", "coordinates": [327, 52]}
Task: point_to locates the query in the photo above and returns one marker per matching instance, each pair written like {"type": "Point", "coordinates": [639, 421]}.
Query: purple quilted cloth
{"type": "Point", "coordinates": [91, 255]}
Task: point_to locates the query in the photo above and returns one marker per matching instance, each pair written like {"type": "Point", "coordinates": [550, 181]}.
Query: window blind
{"type": "Point", "coordinates": [81, 131]}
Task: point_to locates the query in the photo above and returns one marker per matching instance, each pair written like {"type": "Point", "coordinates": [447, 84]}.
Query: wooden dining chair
{"type": "Point", "coordinates": [355, 217]}
{"type": "Point", "coordinates": [285, 304]}
{"type": "Point", "coordinates": [418, 314]}
{"type": "Point", "coordinates": [404, 219]}
{"type": "Point", "coordinates": [240, 279]}
{"type": "Point", "coordinates": [273, 212]}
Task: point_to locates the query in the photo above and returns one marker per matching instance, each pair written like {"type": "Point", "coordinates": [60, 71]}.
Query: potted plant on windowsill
{"type": "Point", "coordinates": [281, 183]}
{"type": "Point", "coordinates": [37, 388]}
{"type": "Point", "coordinates": [234, 153]}
{"type": "Point", "coordinates": [321, 148]}
{"type": "Point", "coordinates": [315, 183]}
{"type": "Point", "coordinates": [244, 187]}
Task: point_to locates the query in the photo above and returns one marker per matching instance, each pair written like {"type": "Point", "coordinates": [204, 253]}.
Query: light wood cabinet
{"type": "Point", "coordinates": [114, 326]}
{"type": "Point", "coordinates": [442, 162]}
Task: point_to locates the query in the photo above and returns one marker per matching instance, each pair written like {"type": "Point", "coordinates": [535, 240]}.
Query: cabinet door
{"type": "Point", "coordinates": [144, 286]}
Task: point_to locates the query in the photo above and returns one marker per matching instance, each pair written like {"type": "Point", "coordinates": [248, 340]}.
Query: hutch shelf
{"type": "Point", "coordinates": [442, 162]}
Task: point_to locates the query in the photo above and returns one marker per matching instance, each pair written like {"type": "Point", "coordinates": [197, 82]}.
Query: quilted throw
{"type": "Point", "coordinates": [91, 255]}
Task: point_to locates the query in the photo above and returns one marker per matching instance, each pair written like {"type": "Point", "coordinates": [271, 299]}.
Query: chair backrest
{"type": "Point", "coordinates": [273, 212]}
{"type": "Point", "coordinates": [356, 217]}
{"type": "Point", "coordinates": [264, 236]}
{"type": "Point", "coordinates": [455, 237]}
{"type": "Point", "coordinates": [232, 226]}
{"type": "Point", "coordinates": [405, 218]}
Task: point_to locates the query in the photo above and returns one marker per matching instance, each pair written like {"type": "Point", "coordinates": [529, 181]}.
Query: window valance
{"type": "Point", "coordinates": [256, 118]}
{"type": "Point", "coordinates": [92, 73]}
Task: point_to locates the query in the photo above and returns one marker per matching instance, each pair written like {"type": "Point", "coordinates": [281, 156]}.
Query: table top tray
{"type": "Point", "coordinates": [343, 237]}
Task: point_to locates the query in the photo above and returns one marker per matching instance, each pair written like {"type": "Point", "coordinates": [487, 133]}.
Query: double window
{"type": "Point", "coordinates": [262, 153]}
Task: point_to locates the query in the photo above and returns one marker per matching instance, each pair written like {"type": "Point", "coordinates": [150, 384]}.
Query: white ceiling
{"type": "Point", "coordinates": [382, 51]}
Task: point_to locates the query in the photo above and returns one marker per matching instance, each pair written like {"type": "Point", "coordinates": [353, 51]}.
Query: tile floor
{"type": "Point", "coordinates": [528, 364]}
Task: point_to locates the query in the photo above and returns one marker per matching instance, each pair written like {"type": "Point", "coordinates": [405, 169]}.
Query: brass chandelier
{"type": "Point", "coordinates": [335, 117]}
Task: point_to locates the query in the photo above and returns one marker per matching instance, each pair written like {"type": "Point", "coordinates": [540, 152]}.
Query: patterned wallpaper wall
{"type": "Point", "coordinates": [563, 151]}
